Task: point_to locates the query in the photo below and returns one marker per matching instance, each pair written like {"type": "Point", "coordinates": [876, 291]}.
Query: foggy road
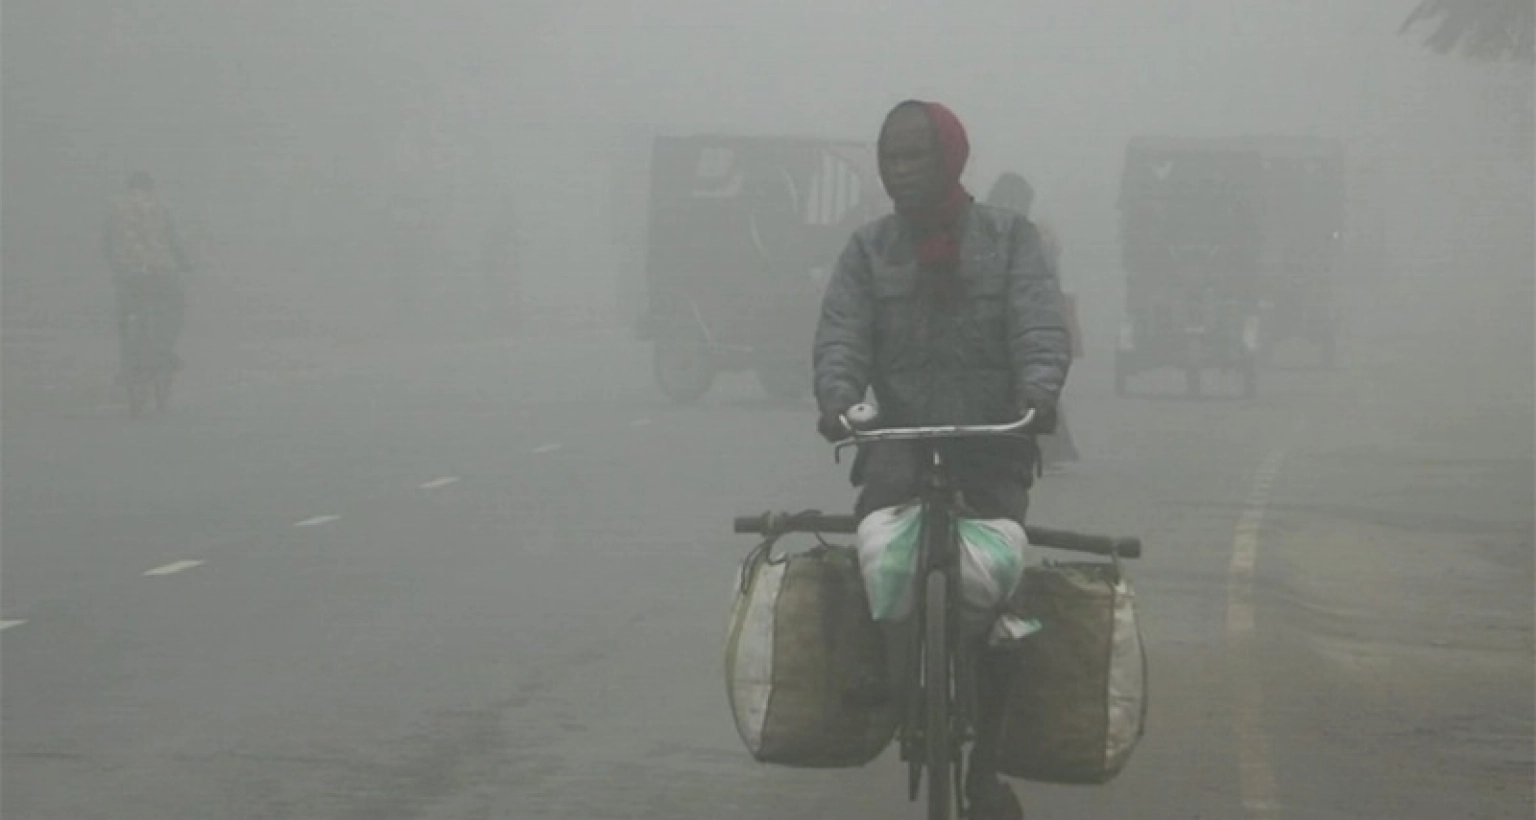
{"type": "Point", "coordinates": [492, 579]}
{"type": "Point", "coordinates": [376, 563]}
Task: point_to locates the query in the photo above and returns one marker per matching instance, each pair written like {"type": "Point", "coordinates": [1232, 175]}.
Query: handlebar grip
{"type": "Point", "coordinates": [1078, 542]}
{"type": "Point", "coordinates": [861, 416]}
{"type": "Point", "coordinates": [839, 524]}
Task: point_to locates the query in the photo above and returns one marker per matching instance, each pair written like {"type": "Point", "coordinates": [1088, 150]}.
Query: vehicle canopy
{"type": "Point", "coordinates": [1304, 204]}
{"type": "Point", "coordinates": [743, 226]}
{"type": "Point", "coordinates": [1191, 206]}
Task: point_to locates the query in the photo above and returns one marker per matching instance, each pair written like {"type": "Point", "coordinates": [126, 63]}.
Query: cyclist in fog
{"type": "Point", "coordinates": [950, 311]}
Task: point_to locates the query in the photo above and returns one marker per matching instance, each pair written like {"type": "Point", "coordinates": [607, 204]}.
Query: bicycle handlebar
{"type": "Point", "coordinates": [861, 414]}
{"type": "Point", "coordinates": [813, 521]}
{"type": "Point", "coordinates": [857, 418]}
{"type": "Point", "coordinates": [816, 522]}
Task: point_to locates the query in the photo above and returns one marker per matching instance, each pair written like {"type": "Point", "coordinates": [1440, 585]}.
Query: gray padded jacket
{"type": "Point", "coordinates": [968, 361]}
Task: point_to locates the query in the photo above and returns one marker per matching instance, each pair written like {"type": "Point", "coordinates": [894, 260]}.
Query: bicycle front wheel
{"type": "Point", "coordinates": [936, 695]}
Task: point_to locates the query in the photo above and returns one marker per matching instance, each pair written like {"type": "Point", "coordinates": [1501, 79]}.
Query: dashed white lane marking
{"type": "Point", "coordinates": [173, 568]}
{"type": "Point", "coordinates": [1255, 769]}
{"type": "Point", "coordinates": [440, 482]}
{"type": "Point", "coordinates": [317, 521]}
{"type": "Point", "coordinates": [4, 625]}
{"type": "Point", "coordinates": [547, 448]}
{"type": "Point", "coordinates": [640, 423]}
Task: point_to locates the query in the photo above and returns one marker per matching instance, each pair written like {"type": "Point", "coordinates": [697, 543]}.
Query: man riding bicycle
{"type": "Point", "coordinates": [147, 263]}
{"type": "Point", "coordinates": [950, 312]}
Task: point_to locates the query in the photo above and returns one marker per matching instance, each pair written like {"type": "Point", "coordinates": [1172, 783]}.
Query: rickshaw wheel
{"type": "Point", "coordinates": [783, 381]}
{"type": "Point", "coordinates": [685, 369]}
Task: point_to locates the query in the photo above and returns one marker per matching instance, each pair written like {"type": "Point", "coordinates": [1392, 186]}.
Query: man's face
{"type": "Point", "coordinates": [910, 165]}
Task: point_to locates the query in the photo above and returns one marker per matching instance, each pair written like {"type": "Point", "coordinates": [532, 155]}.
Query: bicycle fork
{"type": "Point", "coordinates": [939, 552]}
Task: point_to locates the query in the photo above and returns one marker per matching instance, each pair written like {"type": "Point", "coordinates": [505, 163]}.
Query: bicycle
{"type": "Point", "coordinates": [938, 690]}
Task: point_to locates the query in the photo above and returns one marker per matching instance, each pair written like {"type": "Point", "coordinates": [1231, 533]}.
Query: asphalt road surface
{"type": "Point", "coordinates": [491, 580]}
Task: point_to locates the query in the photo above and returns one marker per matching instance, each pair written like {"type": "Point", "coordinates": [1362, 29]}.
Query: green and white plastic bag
{"type": "Point", "coordinates": [992, 559]}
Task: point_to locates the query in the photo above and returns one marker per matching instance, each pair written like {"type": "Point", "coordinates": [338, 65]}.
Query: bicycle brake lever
{"type": "Point", "coordinates": [837, 450]}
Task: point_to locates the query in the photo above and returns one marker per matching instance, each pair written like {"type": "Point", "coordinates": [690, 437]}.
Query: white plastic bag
{"type": "Point", "coordinates": [991, 562]}
{"type": "Point", "coordinates": [888, 542]}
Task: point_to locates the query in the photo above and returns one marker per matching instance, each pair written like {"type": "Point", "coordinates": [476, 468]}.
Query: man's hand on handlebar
{"type": "Point", "coordinates": [839, 425]}
{"type": "Point", "coordinates": [832, 427]}
{"type": "Point", "coordinates": [1042, 404]}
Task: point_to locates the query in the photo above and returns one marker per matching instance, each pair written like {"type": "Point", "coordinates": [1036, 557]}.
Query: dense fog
{"type": "Point", "coordinates": [280, 132]}
{"type": "Point", "coordinates": [436, 522]}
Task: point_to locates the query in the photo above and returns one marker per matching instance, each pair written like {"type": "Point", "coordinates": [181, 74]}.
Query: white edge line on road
{"type": "Point", "coordinates": [547, 448]}
{"type": "Point", "coordinates": [440, 482]}
{"type": "Point", "coordinates": [317, 521]}
{"type": "Point", "coordinates": [174, 567]}
{"type": "Point", "coordinates": [4, 625]}
{"type": "Point", "coordinates": [1255, 769]}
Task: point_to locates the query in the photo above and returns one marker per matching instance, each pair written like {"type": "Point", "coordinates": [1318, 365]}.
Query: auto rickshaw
{"type": "Point", "coordinates": [1303, 224]}
{"type": "Point", "coordinates": [743, 234]}
{"type": "Point", "coordinates": [1191, 238]}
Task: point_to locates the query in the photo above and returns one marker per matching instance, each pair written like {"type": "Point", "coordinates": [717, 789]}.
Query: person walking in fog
{"type": "Point", "coordinates": [1013, 191]}
{"type": "Point", "coordinates": [145, 256]}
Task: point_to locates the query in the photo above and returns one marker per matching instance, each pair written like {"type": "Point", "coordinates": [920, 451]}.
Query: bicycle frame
{"type": "Point", "coordinates": [938, 551]}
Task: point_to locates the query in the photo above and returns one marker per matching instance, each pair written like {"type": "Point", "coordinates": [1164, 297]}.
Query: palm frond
{"type": "Point", "coordinates": [1494, 30]}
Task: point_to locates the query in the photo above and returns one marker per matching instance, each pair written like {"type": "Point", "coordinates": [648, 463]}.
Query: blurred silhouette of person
{"type": "Point", "coordinates": [1013, 191]}
{"type": "Point", "coordinates": [145, 256]}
